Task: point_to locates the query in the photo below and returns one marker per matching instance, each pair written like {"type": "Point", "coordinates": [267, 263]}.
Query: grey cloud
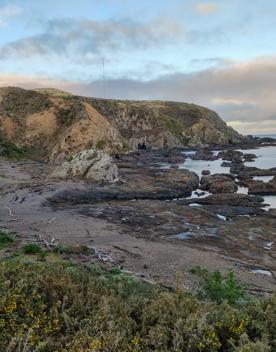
{"type": "Point", "coordinates": [87, 36]}
{"type": "Point", "coordinates": [243, 93]}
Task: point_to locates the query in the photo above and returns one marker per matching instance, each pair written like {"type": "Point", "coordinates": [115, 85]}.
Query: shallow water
{"type": "Point", "coordinates": [266, 160]}
{"type": "Point", "coordinates": [266, 157]}
{"type": "Point", "coordinates": [263, 178]}
{"type": "Point", "coordinates": [198, 165]}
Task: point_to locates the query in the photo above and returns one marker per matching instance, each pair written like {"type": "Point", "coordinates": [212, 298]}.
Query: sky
{"type": "Point", "coordinates": [220, 54]}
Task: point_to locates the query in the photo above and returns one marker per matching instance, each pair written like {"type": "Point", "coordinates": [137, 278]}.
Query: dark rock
{"type": "Point", "coordinates": [249, 157]}
{"type": "Point", "coordinates": [204, 154]}
{"type": "Point", "coordinates": [226, 164]}
{"type": "Point", "coordinates": [236, 199]}
{"type": "Point", "coordinates": [176, 159]}
{"type": "Point", "coordinates": [153, 184]}
{"type": "Point", "coordinates": [206, 172]}
{"type": "Point", "coordinates": [254, 171]}
{"type": "Point", "coordinates": [231, 155]}
{"type": "Point", "coordinates": [236, 168]}
{"type": "Point", "coordinates": [272, 213]}
{"type": "Point", "coordinates": [219, 183]}
{"type": "Point", "coordinates": [262, 188]}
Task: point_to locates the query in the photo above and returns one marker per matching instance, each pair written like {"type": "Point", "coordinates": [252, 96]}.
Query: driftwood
{"type": "Point", "coordinates": [102, 256]}
{"type": "Point", "coordinates": [51, 220]}
{"type": "Point", "coordinates": [48, 244]}
{"type": "Point", "coordinates": [15, 218]}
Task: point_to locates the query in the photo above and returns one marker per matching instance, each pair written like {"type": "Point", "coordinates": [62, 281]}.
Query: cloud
{"type": "Point", "coordinates": [206, 8]}
{"type": "Point", "coordinates": [8, 12]}
{"type": "Point", "coordinates": [84, 37]}
{"type": "Point", "coordinates": [243, 93]}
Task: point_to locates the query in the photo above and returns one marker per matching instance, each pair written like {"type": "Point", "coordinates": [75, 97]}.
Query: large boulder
{"type": "Point", "coordinates": [262, 188]}
{"type": "Point", "coordinates": [237, 200]}
{"type": "Point", "coordinates": [219, 183]}
{"type": "Point", "coordinates": [90, 164]}
{"type": "Point", "coordinates": [231, 155]}
{"type": "Point", "coordinates": [254, 171]}
{"type": "Point", "coordinates": [204, 154]}
{"type": "Point", "coordinates": [248, 157]}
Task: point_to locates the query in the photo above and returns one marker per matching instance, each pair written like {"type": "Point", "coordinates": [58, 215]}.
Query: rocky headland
{"type": "Point", "coordinates": [112, 175]}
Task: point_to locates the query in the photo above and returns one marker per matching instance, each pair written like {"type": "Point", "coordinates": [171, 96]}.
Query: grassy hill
{"type": "Point", "coordinates": [59, 123]}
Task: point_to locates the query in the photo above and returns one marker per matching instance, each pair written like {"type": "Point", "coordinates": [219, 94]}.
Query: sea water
{"type": "Point", "coordinates": [266, 159]}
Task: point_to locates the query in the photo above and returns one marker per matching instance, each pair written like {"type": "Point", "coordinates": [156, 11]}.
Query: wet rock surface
{"type": "Point", "coordinates": [218, 183]}
{"type": "Point", "coordinates": [204, 154]}
{"type": "Point", "coordinates": [254, 171]}
{"type": "Point", "coordinates": [262, 188]}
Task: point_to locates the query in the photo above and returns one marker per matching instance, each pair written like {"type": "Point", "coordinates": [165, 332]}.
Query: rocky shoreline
{"type": "Point", "coordinates": [156, 218]}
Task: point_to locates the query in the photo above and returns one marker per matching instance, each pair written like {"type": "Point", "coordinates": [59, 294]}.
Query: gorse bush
{"type": "Point", "coordinates": [65, 307]}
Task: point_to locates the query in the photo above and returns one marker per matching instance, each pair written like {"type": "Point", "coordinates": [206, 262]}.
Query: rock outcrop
{"type": "Point", "coordinates": [151, 185]}
{"type": "Point", "coordinates": [262, 188]}
{"type": "Point", "coordinates": [89, 164]}
{"type": "Point", "coordinates": [218, 183]}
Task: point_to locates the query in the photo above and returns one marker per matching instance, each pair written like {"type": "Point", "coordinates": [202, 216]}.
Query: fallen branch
{"type": "Point", "coordinates": [47, 244]}
{"type": "Point", "coordinates": [11, 214]}
{"type": "Point", "coordinates": [51, 220]}
{"type": "Point", "coordinates": [103, 257]}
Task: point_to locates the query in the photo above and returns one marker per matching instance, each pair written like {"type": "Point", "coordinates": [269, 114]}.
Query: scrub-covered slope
{"type": "Point", "coordinates": [57, 124]}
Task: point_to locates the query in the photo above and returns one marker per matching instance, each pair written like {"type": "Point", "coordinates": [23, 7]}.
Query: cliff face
{"type": "Point", "coordinates": [59, 125]}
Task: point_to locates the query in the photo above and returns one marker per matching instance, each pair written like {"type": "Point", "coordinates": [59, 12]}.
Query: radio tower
{"type": "Point", "coordinates": [104, 79]}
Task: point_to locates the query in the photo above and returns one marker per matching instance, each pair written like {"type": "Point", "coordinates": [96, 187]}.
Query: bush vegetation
{"type": "Point", "coordinates": [32, 248]}
{"type": "Point", "coordinates": [217, 288]}
{"type": "Point", "coordinates": [6, 239]}
{"type": "Point", "coordinates": [71, 307]}
{"type": "Point", "coordinates": [9, 149]}
{"type": "Point", "coordinates": [66, 116]}
{"type": "Point", "coordinates": [176, 128]}
{"type": "Point", "coordinates": [18, 103]}
{"type": "Point", "coordinates": [101, 144]}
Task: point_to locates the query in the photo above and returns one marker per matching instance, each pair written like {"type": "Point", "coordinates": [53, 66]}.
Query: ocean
{"type": "Point", "coordinates": [266, 135]}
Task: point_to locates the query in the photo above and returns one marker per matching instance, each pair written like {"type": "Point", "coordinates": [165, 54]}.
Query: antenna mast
{"type": "Point", "coordinates": [103, 78]}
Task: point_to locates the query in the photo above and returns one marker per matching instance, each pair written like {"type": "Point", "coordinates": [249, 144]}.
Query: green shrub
{"type": "Point", "coordinates": [101, 144]}
{"type": "Point", "coordinates": [9, 149]}
{"type": "Point", "coordinates": [219, 289]}
{"type": "Point", "coordinates": [176, 128]}
{"type": "Point", "coordinates": [68, 307]}
{"type": "Point", "coordinates": [6, 239]}
{"type": "Point", "coordinates": [32, 248]}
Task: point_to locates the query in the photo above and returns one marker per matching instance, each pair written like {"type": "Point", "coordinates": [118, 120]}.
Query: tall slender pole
{"type": "Point", "coordinates": [103, 79]}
